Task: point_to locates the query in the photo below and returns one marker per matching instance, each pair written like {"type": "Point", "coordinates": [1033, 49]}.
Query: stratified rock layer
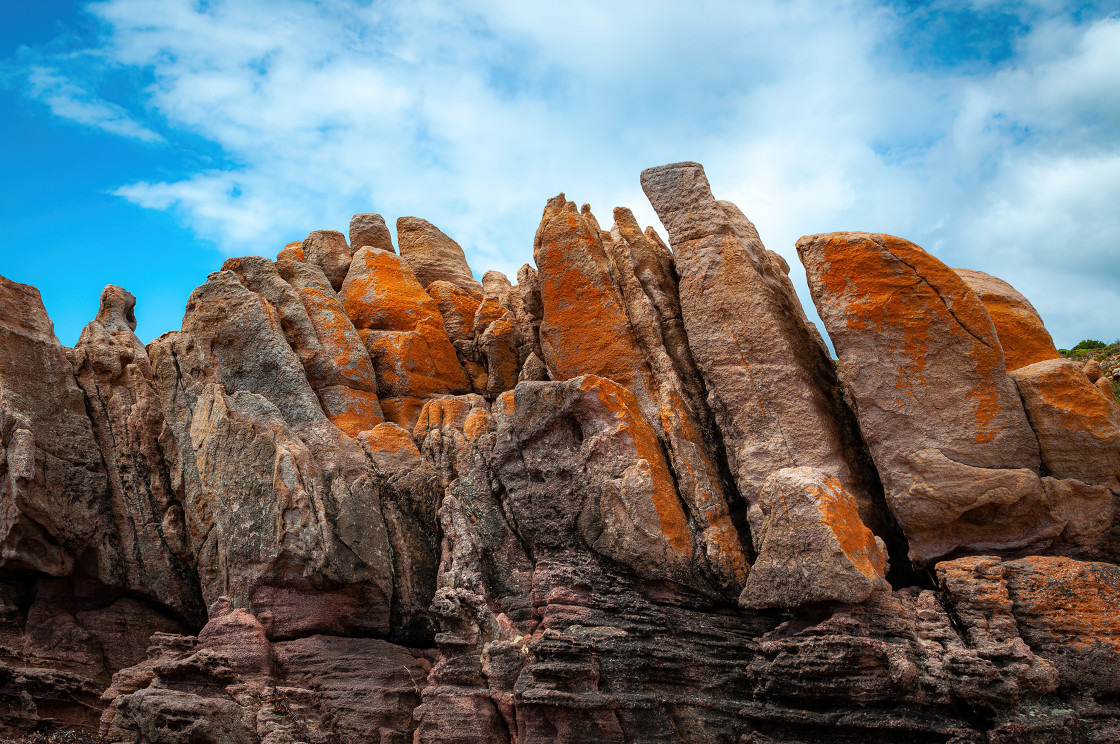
{"type": "Point", "coordinates": [361, 496]}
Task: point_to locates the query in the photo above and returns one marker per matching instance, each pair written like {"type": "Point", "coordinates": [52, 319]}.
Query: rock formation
{"type": "Point", "coordinates": [362, 496]}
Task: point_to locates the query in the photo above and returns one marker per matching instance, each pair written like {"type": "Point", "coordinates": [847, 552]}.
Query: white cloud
{"type": "Point", "coordinates": [70, 101]}
{"type": "Point", "coordinates": [807, 114]}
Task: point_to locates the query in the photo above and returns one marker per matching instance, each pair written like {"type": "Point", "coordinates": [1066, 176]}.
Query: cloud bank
{"type": "Point", "coordinates": [987, 132]}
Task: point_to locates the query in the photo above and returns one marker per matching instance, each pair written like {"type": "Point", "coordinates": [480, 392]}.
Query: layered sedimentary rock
{"type": "Point", "coordinates": [361, 496]}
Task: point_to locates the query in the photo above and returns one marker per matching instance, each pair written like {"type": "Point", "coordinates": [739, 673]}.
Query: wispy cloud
{"type": "Point", "coordinates": [68, 100]}
{"type": "Point", "coordinates": [987, 131]}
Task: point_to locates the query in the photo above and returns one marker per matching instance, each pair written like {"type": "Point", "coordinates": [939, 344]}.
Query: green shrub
{"type": "Point", "coordinates": [1088, 344]}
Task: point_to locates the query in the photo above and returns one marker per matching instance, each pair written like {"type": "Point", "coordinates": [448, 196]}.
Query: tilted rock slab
{"type": "Point", "coordinates": [53, 489]}
{"type": "Point", "coordinates": [941, 417]}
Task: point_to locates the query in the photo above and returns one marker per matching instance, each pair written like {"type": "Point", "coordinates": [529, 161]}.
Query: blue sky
{"type": "Point", "coordinates": [146, 140]}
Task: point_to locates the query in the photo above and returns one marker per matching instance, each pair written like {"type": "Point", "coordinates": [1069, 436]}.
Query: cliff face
{"type": "Point", "coordinates": [361, 496]}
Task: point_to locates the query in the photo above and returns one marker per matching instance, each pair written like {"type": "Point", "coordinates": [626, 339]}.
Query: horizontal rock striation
{"type": "Point", "coordinates": [362, 496]}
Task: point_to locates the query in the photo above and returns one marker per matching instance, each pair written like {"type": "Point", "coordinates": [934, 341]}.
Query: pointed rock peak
{"type": "Point", "coordinates": [117, 309]}
{"type": "Point", "coordinates": [369, 229]}
{"type": "Point", "coordinates": [432, 255]}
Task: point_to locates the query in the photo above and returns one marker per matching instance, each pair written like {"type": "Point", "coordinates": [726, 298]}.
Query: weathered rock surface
{"type": "Point", "coordinates": [771, 385]}
{"type": "Point", "coordinates": [363, 497]}
{"type": "Point", "coordinates": [944, 422]}
{"type": "Point", "coordinates": [1018, 325]}
{"type": "Point", "coordinates": [369, 229]}
{"type": "Point", "coordinates": [328, 250]}
{"type": "Point", "coordinates": [813, 546]}
{"type": "Point", "coordinates": [433, 256]}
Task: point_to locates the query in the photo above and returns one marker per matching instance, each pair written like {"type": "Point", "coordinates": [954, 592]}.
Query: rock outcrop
{"type": "Point", "coordinates": [362, 496]}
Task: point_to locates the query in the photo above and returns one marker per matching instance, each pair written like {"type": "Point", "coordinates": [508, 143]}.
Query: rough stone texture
{"type": "Point", "coordinates": [369, 229]}
{"type": "Point", "coordinates": [924, 369]}
{"type": "Point", "coordinates": [53, 505]}
{"type": "Point", "coordinates": [402, 327]}
{"type": "Point", "coordinates": [113, 369]}
{"type": "Point", "coordinates": [814, 548]}
{"type": "Point", "coordinates": [328, 250]}
{"type": "Point", "coordinates": [379, 515]}
{"type": "Point", "coordinates": [770, 382]}
{"type": "Point", "coordinates": [1078, 428]}
{"type": "Point", "coordinates": [1018, 325]}
{"type": "Point", "coordinates": [433, 256]}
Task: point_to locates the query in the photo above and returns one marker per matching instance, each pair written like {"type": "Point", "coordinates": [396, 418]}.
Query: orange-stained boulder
{"type": "Point", "coordinates": [770, 382]}
{"type": "Point", "coordinates": [433, 256]}
{"type": "Point", "coordinates": [1078, 428]}
{"type": "Point", "coordinates": [1019, 327]}
{"type": "Point", "coordinates": [924, 368]}
{"type": "Point", "coordinates": [919, 353]}
{"type": "Point", "coordinates": [404, 332]}
{"type": "Point", "coordinates": [814, 547]}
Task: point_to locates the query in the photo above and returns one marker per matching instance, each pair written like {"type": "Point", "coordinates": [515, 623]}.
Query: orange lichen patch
{"type": "Point", "coordinates": [504, 404]}
{"type": "Point", "coordinates": [381, 293]}
{"type": "Point", "coordinates": [457, 306]}
{"type": "Point", "coordinates": [390, 439]}
{"type": "Point", "coordinates": [477, 424]}
{"type": "Point", "coordinates": [353, 366]}
{"type": "Point", "coordinates": [840, 514]}
{"type": "Point", "coordinates": [402, 411]}
{"type": "Point", "coordinates": [489, 311]}
{"type": "Point", "coordinates": [353, 411]}
{"type": "Point", "coordinates": [421, 362]}
{"type": "Point", "coordinates": [894, 288]}
{"type": "Point", "coordinates": [622, 404]}
{"type": "Point", "coordinates": [1018, 325]}
{"type": "Point", "coordinates": [292, 252]}
{"type": "Point", "coordinates": [1077, 602]}
{"type": "Point", "coordinates": [585, 328]}
{"type": "Point", "coordinates": [439, 413]}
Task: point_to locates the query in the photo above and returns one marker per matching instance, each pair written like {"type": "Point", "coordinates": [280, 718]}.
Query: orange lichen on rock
{"type": "Point", "coordinates": [901, 318]}
{"type": "Point", "coordinates": [353, 411]}
{"type": "Point", "coordinates": [813, 545]}
{"type": "Point", "coordinates": [1075, 603]}
{"type": "Point", "coordinates": [402, 327]}
{"type": "Point", "coordinates": [585, 329]}
{"type": "Point", "coordinates": [292, 252]}
{"type": "Point", "coordinates": [1078, 428]}
{"type": "Point", "coordinates": [623, 407]}
{"type": "Point", "coordinates": [1018, 325]}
